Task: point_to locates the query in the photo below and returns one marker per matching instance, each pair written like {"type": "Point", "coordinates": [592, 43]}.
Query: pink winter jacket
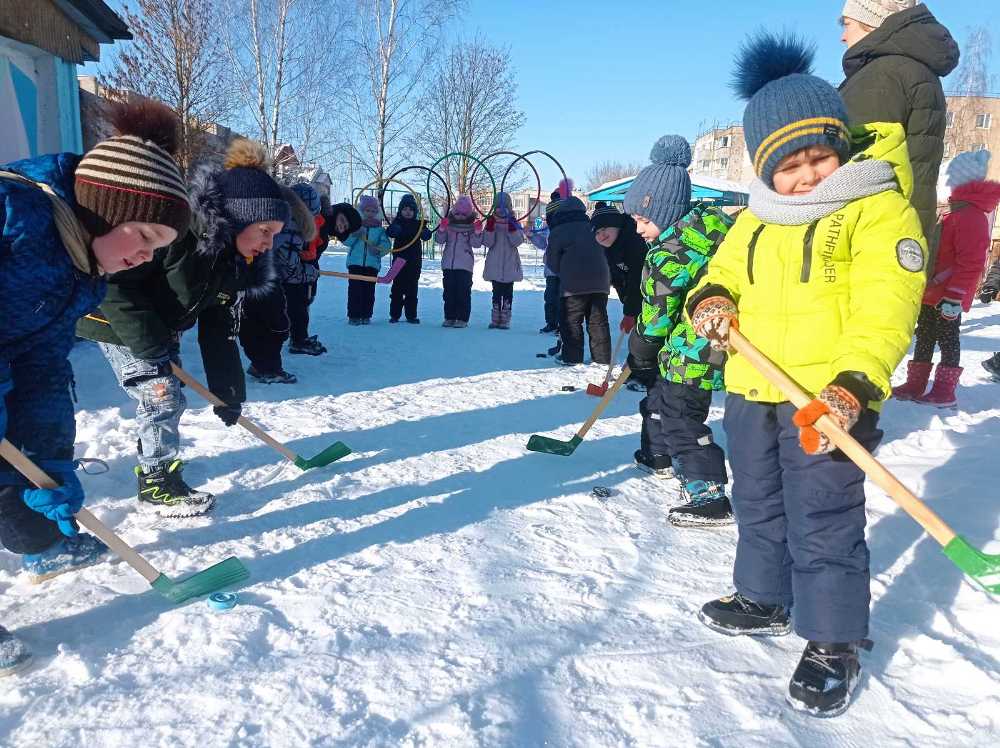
{"type": "Point", "coordinates": [459, 239]}
{"type": "Point", "coordinates": [965, 242]}
{"type": "Point", "coordinates": [503, 260]}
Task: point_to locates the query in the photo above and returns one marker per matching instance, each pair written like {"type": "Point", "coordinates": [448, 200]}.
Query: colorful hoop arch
{"type": "Point", "coordinates": [538, 180]}
{"type": "Point", "coordinates": [430, 198]}
{"type": "Point", "coordinates": [471, 158]}
{"type": "Point", "coordinates": [548, 156]}
{"type": "Point", "coordinates": [382, 183]}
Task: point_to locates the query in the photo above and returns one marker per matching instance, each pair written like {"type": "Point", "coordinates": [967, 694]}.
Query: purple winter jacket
{"type": "Point", "coordinates": [503, 260]}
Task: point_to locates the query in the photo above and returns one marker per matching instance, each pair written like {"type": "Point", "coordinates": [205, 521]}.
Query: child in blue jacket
{"type": "Point", "coordinates": [65, 222]}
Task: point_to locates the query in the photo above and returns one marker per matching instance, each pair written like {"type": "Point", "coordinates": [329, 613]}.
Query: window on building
{"type": "Point", "coordinates": [983, 121]}
{"type": "Point", "coordinates": [722, 142]}
{"type": "Point", "coordinates": [706, 164]}
{"type": "Point", "coordinates": [947, 150]}
{"type": "Point", "coordinates": [951, 119]}
{"type": "Point", "coordinates": [723, 163]}
{"type": "Point", "coordinates": [979, 147]}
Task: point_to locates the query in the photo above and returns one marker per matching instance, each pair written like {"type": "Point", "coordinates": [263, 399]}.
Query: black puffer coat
{"type": "Point", "coordinates": [201, 280]}
{"type": "Point", "coordinates": [625, 259]}
{"type": "Point", "coordinates": [894, 75]}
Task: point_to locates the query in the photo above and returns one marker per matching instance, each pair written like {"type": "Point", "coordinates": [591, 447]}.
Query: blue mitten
{"type": "Point", "coordinates": [394, 230]}
{"type": "Point", "coordinates": [58, 504]}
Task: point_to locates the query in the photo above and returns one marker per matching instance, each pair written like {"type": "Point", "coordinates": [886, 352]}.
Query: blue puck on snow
{"type": "Point", "coordinates": [222, 600]}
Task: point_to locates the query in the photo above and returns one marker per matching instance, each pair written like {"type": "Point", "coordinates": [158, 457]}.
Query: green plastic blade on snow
{"type": "Point", "coordinates": [982, 568]}
{"type": "Point", "coordinates": [331, 454]}
{"type": "Point", "coordinates": [550, 446]}
{"type": "Point", "coordinates": [223, 574]}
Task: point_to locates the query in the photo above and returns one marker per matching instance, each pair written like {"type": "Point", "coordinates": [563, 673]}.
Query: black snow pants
{"type": "Point", "coordinates": [592, 308]}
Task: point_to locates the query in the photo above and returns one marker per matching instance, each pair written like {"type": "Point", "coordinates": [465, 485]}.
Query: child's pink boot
{"type": "Point", "coordinates": [942, 394]}
{"type": "Point", "coordinates": [917, 374]}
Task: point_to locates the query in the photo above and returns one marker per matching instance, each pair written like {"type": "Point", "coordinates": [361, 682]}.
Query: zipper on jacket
{"type": "Point", "coordinates": [753, 250]}
{"type": "Point", "coordinates": [807, 251]}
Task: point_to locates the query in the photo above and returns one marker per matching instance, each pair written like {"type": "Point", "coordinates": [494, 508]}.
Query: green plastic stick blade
{"type": "Point", "coordinates": [214, 578]}
{"type": "Point", "coordinates": [331, 454]}
{"type": "Point", "coordinates": [982, 568]}
{"type": "Point", "coordinates": [550, 446]}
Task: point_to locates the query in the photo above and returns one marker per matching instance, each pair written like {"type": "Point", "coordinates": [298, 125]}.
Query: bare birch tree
{"type": "Point", "coordinates": [279, 51]}
{"type": "Point", "coordinates": [176, 57]}
{"type": "Point", "coordinates": [470, 106]}
{"type": "Point", "coordinates": [393, 41]}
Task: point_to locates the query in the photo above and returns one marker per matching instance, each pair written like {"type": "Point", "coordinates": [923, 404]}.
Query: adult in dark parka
{"type": "Point", "coordinates": [897, 54]}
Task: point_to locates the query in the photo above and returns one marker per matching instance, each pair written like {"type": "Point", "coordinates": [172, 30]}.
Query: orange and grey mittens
{"type": "Point", "coordinates": [834, 401]}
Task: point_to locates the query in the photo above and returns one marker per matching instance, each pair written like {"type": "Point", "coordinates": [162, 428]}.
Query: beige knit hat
{"type": "Point", "coordinates": [874, 12]}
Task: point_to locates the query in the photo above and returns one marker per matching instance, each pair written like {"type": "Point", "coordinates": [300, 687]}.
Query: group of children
{"type": "Point", "coordinates": [825, 272]}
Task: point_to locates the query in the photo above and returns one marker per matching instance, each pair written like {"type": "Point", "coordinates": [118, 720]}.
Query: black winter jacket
{"type": "Point", "coordinates": [894, 75]}
{"type": "Point", "coordinates": [574, 254]}
{"type": "Point", "coordinates": [201, 280]}
{"type": "Point", "coordinates": [625, 259]}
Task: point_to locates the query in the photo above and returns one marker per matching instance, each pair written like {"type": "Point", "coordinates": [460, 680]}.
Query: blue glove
{"type": "Point", "coordinates": [6, 385]}
{"type": "Point", "coordinates": [58, 504]}
{"type": "Point", "coordinates": [394, 230]}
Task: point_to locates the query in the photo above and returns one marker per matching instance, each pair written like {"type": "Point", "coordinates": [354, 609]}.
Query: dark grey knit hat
{"type": "Point", "coordinates": [662, 191]}
{"type": "Point", "coordinates": [605, 216]}
{"type": "Point", "coordinates": [251, 195]}
{"type": "Point", "coordinates": [788, 108]}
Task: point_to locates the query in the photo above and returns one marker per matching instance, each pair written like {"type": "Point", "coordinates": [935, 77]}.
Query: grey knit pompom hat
{"type": "Point", "coordinates": [662, 191]}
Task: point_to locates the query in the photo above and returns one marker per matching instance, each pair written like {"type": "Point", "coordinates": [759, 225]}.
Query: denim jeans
{"type": "Point", "coordinates": [160, 402]}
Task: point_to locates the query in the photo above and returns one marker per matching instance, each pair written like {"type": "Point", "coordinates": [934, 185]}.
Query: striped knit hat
{"type": "Point", "coordinates": [605, 216]}
{"type": "Point", "coordinates": [133, 176]}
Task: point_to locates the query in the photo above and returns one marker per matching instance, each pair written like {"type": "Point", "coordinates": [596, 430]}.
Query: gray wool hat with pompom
{"type": "Point", "coordinates": [662, 191]}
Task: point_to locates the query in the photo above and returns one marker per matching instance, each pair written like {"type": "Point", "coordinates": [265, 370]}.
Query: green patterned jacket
{"type": "Point", "coordinates": [674, 264]}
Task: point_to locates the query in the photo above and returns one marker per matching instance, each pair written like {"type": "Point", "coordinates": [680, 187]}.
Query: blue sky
{"type": "Point", "coordinates": [603, 80]}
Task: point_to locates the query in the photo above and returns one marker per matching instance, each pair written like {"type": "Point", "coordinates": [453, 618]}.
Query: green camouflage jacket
{"type": "Point", "coordinates": [674, 265]}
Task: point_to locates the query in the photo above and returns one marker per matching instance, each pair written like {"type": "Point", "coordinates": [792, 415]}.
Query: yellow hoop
{"type": "Point", "coordinates": [420, 209]}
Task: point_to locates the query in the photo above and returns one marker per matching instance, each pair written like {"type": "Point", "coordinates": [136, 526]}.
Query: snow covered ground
{"type": "Point", "coordinates": [444, 586]}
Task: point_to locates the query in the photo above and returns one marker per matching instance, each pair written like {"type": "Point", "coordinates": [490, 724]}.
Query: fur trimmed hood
{"type": "Point", "coordinates": [215, 235]}
{"type": "Point", "coordinates": [302, 216]}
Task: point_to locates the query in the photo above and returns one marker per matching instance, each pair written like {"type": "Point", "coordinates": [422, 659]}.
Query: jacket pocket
{"type": "Point", "coordinates": [752, 251]}
{"type": "Point", "coordinates": [807, 251]}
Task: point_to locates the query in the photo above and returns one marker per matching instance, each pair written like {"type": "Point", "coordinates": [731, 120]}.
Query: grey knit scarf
{"type": "Point", "coordinates": [850, 182]}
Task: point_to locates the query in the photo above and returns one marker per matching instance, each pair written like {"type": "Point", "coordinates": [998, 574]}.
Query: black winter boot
{"type": "Point", "coordinates": [736, 615]}
{"type": "Point", "coordinates": [826, 677]}
{"type": "Point", "coordinates": [708, 506]}
{"type": "Point", "coordinates": [658, 465]}
{"type": "Point", "coordinates": [164, 492]}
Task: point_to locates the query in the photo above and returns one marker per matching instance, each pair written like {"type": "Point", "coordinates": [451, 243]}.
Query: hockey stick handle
{"type": "Point", "coordinates": [350, 276]}
{"type": "Point", "coordinates": [41, 479]}
{"type": "Point", "coordinates": [879, 474]}
{"type": "Point", "coordinates": [243, 421]}
{"type": "Point", "coordinates": [614, 357]}
{"type": "Point", "coordinates": [605, 401]}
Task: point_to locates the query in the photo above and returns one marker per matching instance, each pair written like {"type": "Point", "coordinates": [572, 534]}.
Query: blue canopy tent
{"type": "Point", "coordinates": [704, 189]}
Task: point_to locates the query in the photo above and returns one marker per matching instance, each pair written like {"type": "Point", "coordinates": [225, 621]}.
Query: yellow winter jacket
{"type": "Point", "coordinates": [840, 295]}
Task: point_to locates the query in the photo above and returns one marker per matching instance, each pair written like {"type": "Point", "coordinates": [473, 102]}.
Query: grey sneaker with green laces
{"type": "Point", "coordinates": [164, 492]}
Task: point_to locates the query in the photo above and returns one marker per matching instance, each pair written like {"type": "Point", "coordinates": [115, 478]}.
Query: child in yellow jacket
{"type": "Point", "coordinates": [824, 273]}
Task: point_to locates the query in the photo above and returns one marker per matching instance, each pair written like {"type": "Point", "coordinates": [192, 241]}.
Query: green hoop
{"type": "Point", "coordinates": [469, 156]}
